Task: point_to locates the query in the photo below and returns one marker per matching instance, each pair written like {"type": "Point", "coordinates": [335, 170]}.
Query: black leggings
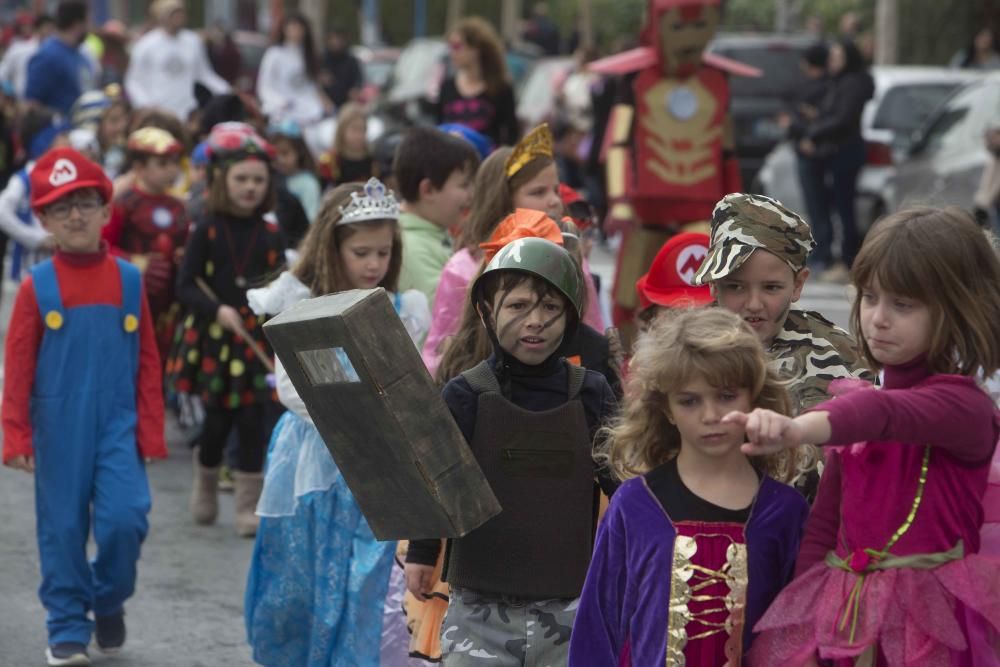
{"type": "Point", "coordinates": [253, 431]}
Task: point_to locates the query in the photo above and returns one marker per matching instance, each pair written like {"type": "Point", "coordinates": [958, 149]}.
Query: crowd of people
{"type": "Point", "coordinates": [694, 496]}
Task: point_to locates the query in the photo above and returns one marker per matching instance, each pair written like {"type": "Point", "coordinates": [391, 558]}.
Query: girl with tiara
{"type": "Point", "coordinates": [318, 578]}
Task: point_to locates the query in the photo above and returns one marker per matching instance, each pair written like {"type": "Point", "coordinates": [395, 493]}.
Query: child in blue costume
{"type": "Point", "coordinates": [318, 578]}
{"type": "Point", "coordinates": [81, 408]}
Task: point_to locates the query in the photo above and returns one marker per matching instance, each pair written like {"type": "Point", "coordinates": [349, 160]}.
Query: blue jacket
{"type": "Point", "coordinates": [56, 75]}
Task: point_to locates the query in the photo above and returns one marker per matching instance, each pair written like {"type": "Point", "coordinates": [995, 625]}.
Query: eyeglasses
{"type": "Point", "coordinates": [87, 206]}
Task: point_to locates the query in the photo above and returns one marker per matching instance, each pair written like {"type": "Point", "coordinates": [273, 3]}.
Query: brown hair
{"type": "Point", "coordinates": [345, 116]}
{"type": "Point", "coordinates": [478, 34]}
{"type": "Point", "coordinates": [319, 266]}
{"type": "Point", "coordinates": [494, 198]}
{"type": "Point", "coordinates": [471, 343]}
{"type": "Point", "coordinates": [940, 257]}
{"type": "Point", "coordinates": [306, 162]}
{"type": "Point", "coordinates": [218, 200]}
{"type": "Point", "coordinates": [681, 345]}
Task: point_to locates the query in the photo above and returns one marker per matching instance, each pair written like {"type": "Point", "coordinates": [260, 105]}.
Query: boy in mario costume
{"type": "Point", "coordinates": [81, 408]}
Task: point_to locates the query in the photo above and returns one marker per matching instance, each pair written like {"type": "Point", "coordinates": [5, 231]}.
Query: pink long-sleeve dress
{"type": "Point", "coordinates": [890, 568]}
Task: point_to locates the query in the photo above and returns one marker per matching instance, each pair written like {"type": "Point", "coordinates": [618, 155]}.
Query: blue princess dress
{"type": "Point", "coordinates": [318, 579]}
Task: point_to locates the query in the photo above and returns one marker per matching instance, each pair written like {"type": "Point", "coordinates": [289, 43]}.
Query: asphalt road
{"type": "Point", "coordinates": [188, 608]}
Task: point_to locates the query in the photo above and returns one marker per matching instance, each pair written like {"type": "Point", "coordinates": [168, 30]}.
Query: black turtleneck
{"type": "Point", "coordinates": [537, 388]}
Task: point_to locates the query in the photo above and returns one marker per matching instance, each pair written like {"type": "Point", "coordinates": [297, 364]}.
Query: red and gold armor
{"type": "Point", "coordinates": [670, 151]}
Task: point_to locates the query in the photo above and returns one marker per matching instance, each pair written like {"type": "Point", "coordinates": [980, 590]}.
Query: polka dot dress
{"type": "Point", "coordinates": [218, 365]}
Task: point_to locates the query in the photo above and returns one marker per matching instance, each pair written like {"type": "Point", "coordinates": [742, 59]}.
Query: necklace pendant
{"type": "Point", "coordinates": [241, 282]}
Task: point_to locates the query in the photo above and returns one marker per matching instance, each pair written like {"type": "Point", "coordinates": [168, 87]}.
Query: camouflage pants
{"type": "Point", "coordinates": [483, 630]}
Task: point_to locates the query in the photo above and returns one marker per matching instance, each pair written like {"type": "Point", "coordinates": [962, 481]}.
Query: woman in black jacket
{"type": "Point", "coordinates": [835, 137]}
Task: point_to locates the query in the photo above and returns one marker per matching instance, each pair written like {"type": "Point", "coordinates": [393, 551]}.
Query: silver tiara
{"type": "Point", "coordinates": [375, 202]}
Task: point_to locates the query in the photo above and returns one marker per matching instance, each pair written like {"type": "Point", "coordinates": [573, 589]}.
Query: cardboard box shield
{"type": "Point", "coordinates": [381, 416]}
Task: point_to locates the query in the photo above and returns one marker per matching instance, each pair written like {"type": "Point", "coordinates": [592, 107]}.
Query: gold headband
{"type": "Point", "coordinates": [535, 144]}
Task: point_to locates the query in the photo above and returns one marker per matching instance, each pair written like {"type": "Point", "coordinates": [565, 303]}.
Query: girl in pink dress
{"type": "Point", "coordinates": [891, 570]}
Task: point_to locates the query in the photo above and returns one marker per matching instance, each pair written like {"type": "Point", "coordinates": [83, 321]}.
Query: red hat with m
{"type": "Point", "coordinates": [61, 171]}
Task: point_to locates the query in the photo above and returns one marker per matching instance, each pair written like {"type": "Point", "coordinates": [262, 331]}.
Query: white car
{"type": "Point", "coordinates": [905, 97]}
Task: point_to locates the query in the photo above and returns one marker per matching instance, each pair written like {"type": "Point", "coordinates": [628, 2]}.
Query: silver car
{"type": "Point", "coordinates": [904, 98]}
{"type": "Point", "coordinates": [946, 157]}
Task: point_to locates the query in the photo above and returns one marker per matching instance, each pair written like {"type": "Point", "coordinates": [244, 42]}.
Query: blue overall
{"type": "Point", "coordinates": [83, 418]}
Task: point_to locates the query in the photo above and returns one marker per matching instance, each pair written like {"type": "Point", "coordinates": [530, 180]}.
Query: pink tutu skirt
{"type": "Point", "coordinates": [949, 615]}
{"type": "Point", "coordinates": [991, 508]}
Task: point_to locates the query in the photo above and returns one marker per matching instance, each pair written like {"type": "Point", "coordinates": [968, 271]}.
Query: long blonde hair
{"type": "Point", "coordinates": [683, 344]}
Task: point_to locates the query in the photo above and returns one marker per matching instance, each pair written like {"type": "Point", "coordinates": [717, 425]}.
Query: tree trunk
{"type": "Point", "coordinates": [315, 13]}
{"type": "Point", "coordinates": [886, 32]}
{"type": "Point", "coordinates": [456, 8]}
{"type": "Point", "coordinates": [510, 17]}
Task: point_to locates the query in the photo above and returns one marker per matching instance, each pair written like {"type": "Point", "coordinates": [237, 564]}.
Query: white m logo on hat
{"type": "Point", "coordinates": [63, 172]}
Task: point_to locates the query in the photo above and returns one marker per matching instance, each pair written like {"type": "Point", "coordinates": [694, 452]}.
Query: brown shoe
{"type": "Point", "coordinates": [247, 487]}
{"type": "Point", "coordinates": [205, 493]}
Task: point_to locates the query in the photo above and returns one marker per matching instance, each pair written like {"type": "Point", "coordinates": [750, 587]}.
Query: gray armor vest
{"type": "Point", "coordinates": [540, 466]}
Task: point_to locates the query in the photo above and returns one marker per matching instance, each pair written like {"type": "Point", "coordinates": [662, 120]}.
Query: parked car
{"type": "Point", "coordinates": [905, 97]}
{"type": "Point", "coordinates": [944, 160]}
{"type": "Point", "coordinates": [539, 90]}
{"type": "Point", "coordinates": [755, 102]}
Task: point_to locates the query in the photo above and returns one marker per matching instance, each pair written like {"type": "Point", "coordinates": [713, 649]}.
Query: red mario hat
{"type": "Point", "coordinates": [670, 279]}
{"type": "Point", "coordinates": [62, 171]}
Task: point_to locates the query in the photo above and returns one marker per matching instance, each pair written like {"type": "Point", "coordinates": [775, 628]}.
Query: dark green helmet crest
{"type": "Point", "coordinates": [540, 258]}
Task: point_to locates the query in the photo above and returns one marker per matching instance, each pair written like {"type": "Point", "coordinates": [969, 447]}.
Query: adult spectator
{"type": "Point", "coordinates": [479, 95]}
{"type": "Point", "coordinates": [835, 136]}
{"type": "Point", "coordinates": [811, 168]}
{"type": "Point", "coordinates": [341, 76]}
{"type": "Point", "coordinates": [981, 53]}
{"type": "Point", "coordinates": [31, 33]}
{"type": "Point", "coordinates": [287, 80]}
{"type": "Point", "coordinates": [58, 72]}
{"type": "Point", "coordinates": [167, 62]}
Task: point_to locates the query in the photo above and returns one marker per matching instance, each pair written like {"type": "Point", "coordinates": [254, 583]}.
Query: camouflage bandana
{"type": "Point", "coordinates": [742, 223]}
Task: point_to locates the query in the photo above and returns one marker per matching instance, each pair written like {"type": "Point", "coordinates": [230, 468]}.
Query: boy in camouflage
{"type": "Point", "coordinates": [761, 287]}
{"type": "Point", "coordinates": [804, 347]}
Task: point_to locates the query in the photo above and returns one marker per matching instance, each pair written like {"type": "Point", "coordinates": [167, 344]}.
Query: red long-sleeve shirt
{"type": "Point", "coordinates": [84, 279]}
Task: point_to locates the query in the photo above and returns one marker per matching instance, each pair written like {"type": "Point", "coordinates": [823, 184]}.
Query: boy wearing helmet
{"type": "Point", "coordinates": [530, 418]}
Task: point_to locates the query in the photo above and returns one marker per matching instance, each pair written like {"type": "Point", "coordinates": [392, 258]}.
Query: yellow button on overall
{"type": "Point", "coordinates": [131, 323]}
{"type": "Point", "coordinates": [53, 319]}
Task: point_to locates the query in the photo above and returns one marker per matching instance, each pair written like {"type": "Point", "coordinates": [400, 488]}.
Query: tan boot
{"type": "Point", "coordinates": [205, 494]}
{"type": "Point", "coordinates": [246, 491]}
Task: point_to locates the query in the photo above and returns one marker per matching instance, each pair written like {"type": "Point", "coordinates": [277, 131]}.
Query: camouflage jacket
{"type": "Point", "coordinates": [811, 351]}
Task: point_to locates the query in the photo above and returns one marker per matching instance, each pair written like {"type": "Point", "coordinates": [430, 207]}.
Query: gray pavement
{"type": "Point", "coordinates": [188, 606]}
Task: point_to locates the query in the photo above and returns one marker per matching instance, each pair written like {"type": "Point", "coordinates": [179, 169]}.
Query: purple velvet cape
{"type": "Point", "coordinates": [626, 596]}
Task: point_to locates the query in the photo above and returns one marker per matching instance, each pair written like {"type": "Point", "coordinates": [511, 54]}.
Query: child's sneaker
{"type": "Point", "coordinates": [110, 632]}
{"type": "Point", "coordinates": [66, 654]}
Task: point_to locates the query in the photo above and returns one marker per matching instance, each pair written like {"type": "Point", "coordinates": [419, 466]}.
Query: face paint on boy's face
{"type": "Point", "coordinates": [529, 328]}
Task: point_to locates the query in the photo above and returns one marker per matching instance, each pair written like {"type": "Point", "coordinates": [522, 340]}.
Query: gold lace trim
{"type": "Point", "coordinates": [687, 580]}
